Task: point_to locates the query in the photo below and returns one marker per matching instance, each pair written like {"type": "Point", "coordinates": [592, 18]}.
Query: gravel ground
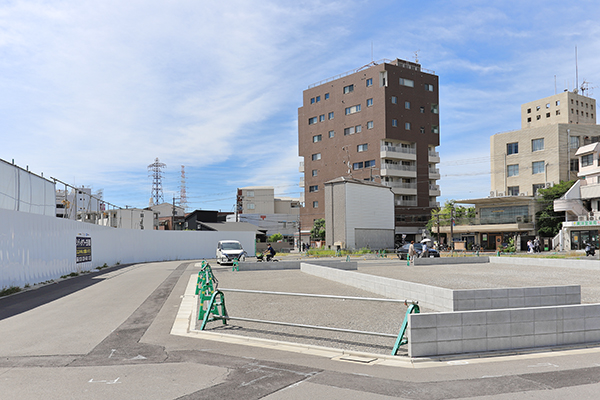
{"type": "Point", "coordinates": [367, 316]}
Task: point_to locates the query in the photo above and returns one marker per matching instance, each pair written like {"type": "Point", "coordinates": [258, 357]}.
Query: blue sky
{"type": "Point", "coordinates": [92, 92]}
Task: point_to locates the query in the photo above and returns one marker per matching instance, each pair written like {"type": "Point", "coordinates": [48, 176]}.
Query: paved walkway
{"type": "Point", "coordinates": [109, 336]}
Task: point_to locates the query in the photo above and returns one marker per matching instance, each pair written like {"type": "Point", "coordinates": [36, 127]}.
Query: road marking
{"type": "Point", "coordinates": [539, 365]}
{"type": "Point", "coordinates": [112, 352]}
{"type": "Point", "coordinates": [107, 382]}
{"type": "Point", "coordinates": [458, 362]}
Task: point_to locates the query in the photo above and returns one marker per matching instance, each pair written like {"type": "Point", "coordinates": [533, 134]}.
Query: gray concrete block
{"type": "Point", "coordinates": [498, 317]}
{"type": "Point", "coordinates": [514, 302]}
{"type": "Point", "coordinates": [481, 294]}
{"type": "Point", "coordinates": [449, 319]}
{"type": "Point", "coordinates": [544, 327]}
{"type": "Point", "coordinates": [462, 294]}
{"type": "Point", "coordinates": [516, 292]}
{"type": "Point", "coordinates": [449, 333]}
{"type": "Point", "coordinates": [545, 340]}
{"type": "Point", "coordinates": [548, 291]}
{"type": "Point", "coordinates": [545, 314]}
{"type": "Point", "coordinates": [474, 345]}
{"type": "Point", "coordinates": [532, 291]}
{"type": "Point", "coordinates": [465, 305]}
{"type": "Point", "coordinates": [561, 290]}
{"type": "Point", "coordinates": [573, 299]}
{"type": "Point", "coordinates": [498, 303]}
{"type": "Point", "coordinates": [475, 332]}
{"type": "Point", "coordinates": [573, 325]}
{"type": "Point", "coordinates": [573, 312]}
{"type": "Point", "coordinates": [573, 289]}
{"type": "Point", "coordinates": [573, 337]}
{"type": "Point", "coordinates": [592, 323]}
{"type": "Point", "coordinates": [422, 349]}
{"type": "Point", "coordinates": [522, 315]}
{"type": "Point", "coordinates": [522, 342]}
{"type": "Point", "coordinates": [499, 293]}
{"type": "Point", "coordinates": [522, 328]}
{"type": "Point", "coordinates": [483, 304]}
{"type": "Point", "coordinates": [416, 321]}
{"type": "Point", "coordinates": [592, 310]}
{"type": "Point", "coordinates": [498, 330]}
{"type": "Point", "coordinates": [533, 301]}
{"type": "Point", "coordinates": [474, 318]}
{"type": "Point", "coordinates": [499, 343]}
{"type": "Point", "coordinates": [450, 347]}
{"type": "Point", "coordinates": [423, 335]}
{"type": "Point", "coordinates": [592, 336]}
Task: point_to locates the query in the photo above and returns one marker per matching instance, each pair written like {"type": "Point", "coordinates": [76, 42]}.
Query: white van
{"type": "Point", "coordinates": [229, 250]}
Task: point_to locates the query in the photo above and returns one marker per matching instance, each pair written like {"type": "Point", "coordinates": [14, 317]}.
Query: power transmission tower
{"type": "Point", "coordinates": [182, 191]}
{"type": "Point", "coordinates": [156, 173]}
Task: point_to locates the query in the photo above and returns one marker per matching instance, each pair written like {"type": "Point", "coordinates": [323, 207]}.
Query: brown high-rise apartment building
{"type": "Point", "coordinates": [379, 122]}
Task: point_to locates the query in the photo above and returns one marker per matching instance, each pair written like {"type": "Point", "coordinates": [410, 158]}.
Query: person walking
{"type": "Point", "coordinates": [411, 251]}
{"type": "Point", "coordinates": [425, 251]}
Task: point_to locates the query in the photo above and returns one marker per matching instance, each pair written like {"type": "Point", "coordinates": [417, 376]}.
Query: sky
{"type": "Point", "coordinates": [91, 93]}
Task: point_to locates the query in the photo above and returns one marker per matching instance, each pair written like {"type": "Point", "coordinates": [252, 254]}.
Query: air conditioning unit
{"type": "Point", "coordinates": [549, 184]}
{"type": "Point", "coordinates": [492, 193]}
{"type": "Point", "coordinates": [500, 194]}
{"type": "Point", "coordinates": [519, 219]}
{"type": "Point", "coordinates": [581, 218]}
{"type": "Point", "coordinates": [522, 194]}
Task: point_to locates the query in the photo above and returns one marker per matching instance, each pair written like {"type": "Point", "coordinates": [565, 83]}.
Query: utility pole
{"type": "Point", "coordinates": [299, 237]}
{"type": "Point", "coordinates": [438, 229]}
{"type": "Point", "coordinates": [452, 228]}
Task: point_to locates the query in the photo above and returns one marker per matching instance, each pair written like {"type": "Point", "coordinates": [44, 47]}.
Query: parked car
{"type": "Point", "coordinates": [402, 252]}
{"type": "Point", "coordinates": [229, 250]}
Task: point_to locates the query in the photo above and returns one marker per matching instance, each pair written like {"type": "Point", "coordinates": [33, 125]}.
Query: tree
{"type": "Point", "coordinates": [462, 215]}
{"type": "Point", "coordinates": [548, 221]}
{"type": "Point", "coordinates": [276, 237]}
{"type": "Point", "coordinates": [318, 230]}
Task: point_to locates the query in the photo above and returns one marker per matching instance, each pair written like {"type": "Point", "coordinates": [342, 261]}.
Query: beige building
{"type": "Point", "coordinates": [262, 200]}
{"type": "Point", "coordinates": [542, 152]}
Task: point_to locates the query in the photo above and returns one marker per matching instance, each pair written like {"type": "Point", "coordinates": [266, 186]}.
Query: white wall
{"type": "Point", "coordinates": [36, 248]}
{"type": "Point", "coordinates": [368, 207]}
{"type": "Point", "coordinates": [21, 190]}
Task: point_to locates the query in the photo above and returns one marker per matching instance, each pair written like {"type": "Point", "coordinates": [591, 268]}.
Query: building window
{"type": "Point", "coordinates": [321, 117]}
{"type": "Point", "coordinates": [422, 129]}
{"type": "Point", "coordinates": [353, 109]}
{"type": "Point", "coordinates": [513, 190]}
{"type": "Point", "coordinates": [312, 120]}
{"type": "Point", "coordinates": [529, 111]}
{"type": "Point", "coordinates": [407, 82]}
{"type": "Point", "coordinates": [326, 96]}
{"type": "Point", "coordinates": [317, 138]}
{"type": "Point", "coordinates": [250, 193]}
{"type": "Point", "coordinates": [331, 134]}
{"type": "Point", "coordinates": [369, 82]}
{"type": "Point", "coordinates": [537, 167]}
{"type": "Point", "coordinates": [369, 102]}
{"type": "Point", "coordinates": [313, 188]}
{"type": "Point", "coordinates": [251, 206]}
{"type": "Point", "coordinates": [537, 144]}
{"type": "Point", "coordinates": [312, 100]}
{"type": "Point", "coordinates": [537, 117]}
{"type": "Point", "coordinates": [537, 108]}
{"type": "Point", "coordinates": [358, 128]}
{"type": "Point", "coordinates": [394, 100]}
{"type": "Point", "coordinates": [547, 105]}
{"type": "Point", "coordinates": [331, 115]}
{"type": "Point", "coordinates": [407, 126]}
{"type": "Point", "coordinates": [557, 112]}
{"type": "Point", "coordinates": [349, 131]}
{"type": "Point", "coordinates": [348, 89]}
{"type": "Point", "coordinates": [537, 187]}
{"type": "Point", "coordinates": [512, 170]}
{"type": "Point", "coordinates": [362, 147]}
{"type": "Point", "coordinates": [574, 165]}
{"type": "Point", "coordinates": [357, 165]}
{"type": "Point", "coordinates": [528, 119]}
{"type": "Point", "coordinates": [369, 124]}
{"type": "Point", "coordinates": [314, 172]}
{"type": "Point", "coordinates": [369, 164]}
{"type": "Point", "coordinates": [547, 115]}
{"type": "Point", "coordinates": [429, 87]}
{"type": "Point", "coordinates": [512, 148]}
{"type": "Point", "coordinates": [318, 99]}
{"type": "Point", "coordinates": [435, 109]}
{"type": "Point", "coordinates": [422, 110]}
{"type": "Point", "coordinates": [435, 129]}
{"type": "Point", "coordinates": [574, 142]}
{"type": "Point", "coordinates": [315, 204]}
{"type": "Point", "coordinates": [558, 102]}
{"type": "Point", "coordinates": [394, 122]}
{"type": "Point", "coordinates": [407, 105]}
{"type": "Point", "coordinates": [587, 160]}
{"type": "Point", "coordinates": [316, 157]}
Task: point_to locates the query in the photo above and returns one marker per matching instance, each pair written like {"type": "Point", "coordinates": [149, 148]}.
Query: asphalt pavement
{"type": "Point", "coordinates": [108, 335]}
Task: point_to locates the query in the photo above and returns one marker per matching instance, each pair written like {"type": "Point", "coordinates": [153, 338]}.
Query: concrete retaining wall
{"type": "Point", "coordinates": [260, 266]}
{"type": "Point", "coordinates": [584, 263]}
{"type": "Point", "coordinates": [442, 299]}
{"type": "Point", "coordinates": [451, 260]}
{"type": "Point", "coordinates": [495, 330]}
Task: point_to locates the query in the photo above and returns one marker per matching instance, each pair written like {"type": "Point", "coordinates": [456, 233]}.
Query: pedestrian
{"type": "Point", "coordinates": [425, 251]}
{"type": "Point", "coordinates": [529, 246]}
{"type": "Point", "coordinates": [411, 251]}
{"type": "Point", "coordinates": [536, 245]}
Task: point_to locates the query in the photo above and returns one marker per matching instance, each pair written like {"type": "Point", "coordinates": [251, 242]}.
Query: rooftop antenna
{"type": "Point", "coordinates": [417, 56]}
{"type": "Point", "coordinates": [576, 71]}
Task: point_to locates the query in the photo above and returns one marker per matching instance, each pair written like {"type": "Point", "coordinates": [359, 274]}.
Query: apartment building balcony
{"type": "Point", "coordinates": [301, 184]}
{"type": "Point", "coordinates": [405, 203]}
{"type": "Point", "coordinates": [402, 188]}
{"type": "Point", "coordinates": [401, 153]}
{"type": "Point", "coordinates": [301, 167]}
{"type": "Point", "coordinates": [302, 197]}
{"type": "Point", "coordinates": [434, 190]}
{"type": "Point", "coordinates": [434, 173]}
{"type": "Point", "coordinates": [398, 170]}
{"type": "Point", "coordinates": [434, 157]}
